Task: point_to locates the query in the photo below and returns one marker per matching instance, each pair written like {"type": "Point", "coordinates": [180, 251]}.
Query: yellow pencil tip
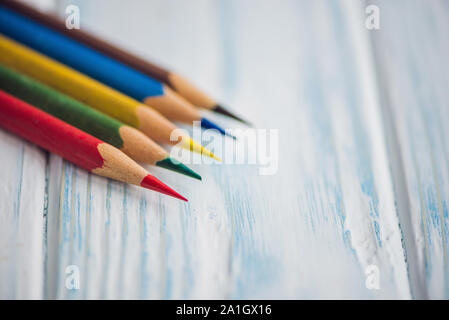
{"type": "Point", "coordinates": [196, 147]}
{"type": "Point", "coordinates": [215, 157]}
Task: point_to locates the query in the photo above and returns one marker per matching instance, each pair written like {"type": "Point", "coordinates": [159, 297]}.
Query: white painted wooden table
{"type": "Point", "coordinates": [363, 174]}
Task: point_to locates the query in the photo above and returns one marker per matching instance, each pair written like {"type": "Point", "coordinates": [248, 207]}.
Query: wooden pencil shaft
{"type": "Point", "coordinates": [74, 145]}
{"type": "Point", "coordinates": [78, 56]}
{"type": "Point", "coordinates": [176, 82]}
{"type": "Point", "coordinates": [93, 93]}
{"type": "Point", "coordinates": [85, 89]}
{"type": "Point", "coordinates": [131, 141]}
{"type": "Point", "coordinates": [98, 66]}
{"type": "Point", "coordinates": [177, 109]}
{"type": "Point", "coordinates": [61, 106]}
{"type": "Point", "coordinates": [49, 132]}
{"type": "Point", "coordinates": [92, 41]}
{"type": "Point", "coordinates": [89, 39]}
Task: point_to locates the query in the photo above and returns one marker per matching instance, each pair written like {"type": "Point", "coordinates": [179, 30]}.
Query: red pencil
{"type": "Point", "coordinates": [75, 145]}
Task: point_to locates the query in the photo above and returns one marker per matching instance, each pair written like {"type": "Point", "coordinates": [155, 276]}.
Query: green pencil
{"type": "Point", "coordinates": [129, 140]}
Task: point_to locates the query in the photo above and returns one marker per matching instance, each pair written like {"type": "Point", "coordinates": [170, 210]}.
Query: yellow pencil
{"type": "Point", "coordinates": [93, 93]}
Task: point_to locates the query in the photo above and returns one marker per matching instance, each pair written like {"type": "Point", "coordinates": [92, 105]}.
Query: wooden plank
{"type": "Point", "coordinates": [254, 250]}
{"type": "Point", "coordinates": [22, 217]}
{"type": "Point", "coordinates": [361, 177]}
{"type": "Point", "coordinates": [411, 54]}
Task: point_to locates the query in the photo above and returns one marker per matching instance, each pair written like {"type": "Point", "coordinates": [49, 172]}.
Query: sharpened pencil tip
{"type": "Point", "coordinates": [152, 183]}
{"type": "Point", "coordinates": [191, 145]}
{"type": "Point", "coordinates": [207, 124]}
{"type": "Point", "coordinates": [231, 136]}
{"type": "Point", "coordinates": [216, 158]}
{"type": "Point", "coordinates": [175, 165]}
{"type": "Point", "coordinates": [221, 110]}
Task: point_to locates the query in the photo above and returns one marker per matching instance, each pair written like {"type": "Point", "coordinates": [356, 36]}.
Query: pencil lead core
{"type": "Point", "coordinates": [152, 183]}
{"type": "Point", "coordinates": [191, 145]}
{"type": "Point", "coordinates": [219, 109]}
{"type": "Point", "coordinates": [207, 124]}
{"type": "Point", "coordinates": [175, 165]}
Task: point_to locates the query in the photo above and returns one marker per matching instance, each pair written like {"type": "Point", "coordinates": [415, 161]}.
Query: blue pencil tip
{"type": "Point", "coordinates": [207, 124]}
{"type": "Point", "coordinates": [230, 135]}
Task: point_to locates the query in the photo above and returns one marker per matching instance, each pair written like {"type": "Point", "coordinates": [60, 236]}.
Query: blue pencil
{"type": "Point", "coordinates": [100, 67]}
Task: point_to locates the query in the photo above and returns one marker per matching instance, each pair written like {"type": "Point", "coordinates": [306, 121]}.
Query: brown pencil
{"type": "Point", "coordinates": [178, 83]}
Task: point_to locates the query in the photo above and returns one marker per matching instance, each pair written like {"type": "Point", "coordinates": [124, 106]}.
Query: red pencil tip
{"type": "Point", "coordinates": [155, 184]}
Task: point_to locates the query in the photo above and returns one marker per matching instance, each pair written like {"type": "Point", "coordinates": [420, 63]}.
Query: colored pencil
{"type": "Point", "coordinates": [75, 145]}
{"type": "Point", "coordinates": [176, 82]}
{"type": "Point", "coordinates": [129, 140]}
{"type": "Point", "coordinates": [100, 67]}
{"type": "Point", "coordinates": [93, 93]}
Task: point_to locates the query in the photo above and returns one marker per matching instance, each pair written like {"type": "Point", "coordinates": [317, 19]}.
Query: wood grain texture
{"type": "Point", "coordinates": [414, 73]}
{"type": "Point", "coordinates": [363, 168]}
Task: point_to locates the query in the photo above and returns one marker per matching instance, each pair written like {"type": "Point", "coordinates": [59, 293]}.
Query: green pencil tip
{"type": "Point", "coordinates": [175, 165]}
